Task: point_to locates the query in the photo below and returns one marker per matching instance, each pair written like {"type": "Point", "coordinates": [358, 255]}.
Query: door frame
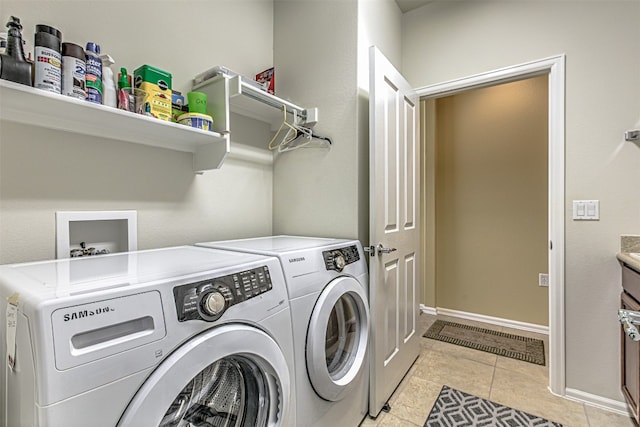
{"type": "Point", "coordinates": [555, 68]}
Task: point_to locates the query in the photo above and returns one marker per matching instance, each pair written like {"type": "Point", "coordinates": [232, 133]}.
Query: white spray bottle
{"type": "Point", "coordinates": [109, 85]}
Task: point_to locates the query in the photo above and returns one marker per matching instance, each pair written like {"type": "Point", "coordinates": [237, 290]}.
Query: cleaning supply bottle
{"type": "Point", "coordinates": [13, 65]}
{"type": "Point", "coordinates": [73, 71]}
{"type": "Point", "coordinates": [48, 59]}
{"type": "Point", "coordinates": [108, 83]}
{"type": "Point", "coordinates": [93, 74]}
{"type": "Point", "coordinates": [125, 92]}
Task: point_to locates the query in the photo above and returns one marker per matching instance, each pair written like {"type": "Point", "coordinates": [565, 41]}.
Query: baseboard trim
{"type": "Point", "coordinates": [428, 310]}
{"type": "Point", "coordinates": [598, 401]}
{"type": "Point", "coordinates": [515, 324]}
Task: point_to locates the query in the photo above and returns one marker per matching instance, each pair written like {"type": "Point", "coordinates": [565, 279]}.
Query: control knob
{"type": "Point", "coordinates": [212, 304]}
{"type": "Point", "coordinates": [338, 260]}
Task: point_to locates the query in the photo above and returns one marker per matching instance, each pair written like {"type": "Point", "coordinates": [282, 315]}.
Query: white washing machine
{"type": "Point", "coordinates": [327, 281]}
{"type": "Point", "coordinates": [180, 336]}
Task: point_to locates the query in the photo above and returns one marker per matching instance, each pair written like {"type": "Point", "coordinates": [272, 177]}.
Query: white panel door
{"type": "Point", "coordinates": [394, 228]}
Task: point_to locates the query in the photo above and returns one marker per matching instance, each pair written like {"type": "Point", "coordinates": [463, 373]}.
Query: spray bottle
{"type": "Point", "coordinates": [13, 65]}
{"type": "Point", "coordinates": [125, 92]}
{"type": "Point", "coordinates": [108, 83]}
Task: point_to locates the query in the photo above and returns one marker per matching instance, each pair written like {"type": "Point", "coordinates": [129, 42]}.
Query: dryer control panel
{"type": "Point", "coordinates": [338, 259]}
{"type": "Point", "coordinates": [209, 299]}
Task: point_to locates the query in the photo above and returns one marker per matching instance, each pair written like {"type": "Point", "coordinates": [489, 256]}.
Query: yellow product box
{"type": "Point", "coordinates": [156, 84]}
{"type": "Point", "coordinates": [156, 102]}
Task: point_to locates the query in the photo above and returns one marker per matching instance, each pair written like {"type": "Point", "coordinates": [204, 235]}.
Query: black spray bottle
{"type": "Point", "coordinates": [13, 65]}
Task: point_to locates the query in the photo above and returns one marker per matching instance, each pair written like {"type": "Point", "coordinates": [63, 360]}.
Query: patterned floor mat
{"type": "Point", "coordinates": [454, 408]}
{"type": "Point", "coordinates": [500, 343]}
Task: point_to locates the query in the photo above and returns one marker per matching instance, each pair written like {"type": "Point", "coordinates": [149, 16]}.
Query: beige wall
{"type": "Point", "coordinates": [449, 40]}
{"type": "Point", "coordinates": [491, 201]}
{"type": "Point", "coordinates": [45, 171]}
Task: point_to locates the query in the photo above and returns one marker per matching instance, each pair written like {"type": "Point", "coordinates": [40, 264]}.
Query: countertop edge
{"type": "Point", "coordinates": [627, 259]}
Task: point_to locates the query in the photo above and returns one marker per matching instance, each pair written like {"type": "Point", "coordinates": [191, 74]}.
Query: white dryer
{"type": "Point", "coordinates": [327, 281]}
{"type": "Point", "coordinates": [180, 336]}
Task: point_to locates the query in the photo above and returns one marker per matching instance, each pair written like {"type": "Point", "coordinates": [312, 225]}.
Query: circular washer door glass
{"type": "Point", "coordinates": [229, 392]}
{"type": "Point", "coordinates": [337, 338]}
{"type": "Point", "coordinates": [342, 336]}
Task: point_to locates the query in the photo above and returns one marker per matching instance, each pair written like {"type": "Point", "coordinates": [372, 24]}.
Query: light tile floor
{"type": "Point", "coordinates": [520, 385]}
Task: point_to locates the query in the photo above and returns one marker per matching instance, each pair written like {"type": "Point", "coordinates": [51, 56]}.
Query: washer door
{"type": "Point", "coordinates": [233, 375]}
{"type": "Point", "coordinates": [337, 338]}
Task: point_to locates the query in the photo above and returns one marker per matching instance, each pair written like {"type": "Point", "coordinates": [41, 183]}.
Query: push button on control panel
{"type": "Point", "coordinates": [209, 299]}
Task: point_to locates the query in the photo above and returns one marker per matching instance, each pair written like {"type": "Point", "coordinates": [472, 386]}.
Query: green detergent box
{"type": "Point", "coordinates": [157, 86]}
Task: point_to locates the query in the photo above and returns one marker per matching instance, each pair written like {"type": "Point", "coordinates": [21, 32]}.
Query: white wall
{"type": "Point", "coordinates": [448, 40]}
{"type": "Point", "coordinates": [316, 190]}
{"type": "Point", "coordinates": [378, 24]}
{"type": "Point", "coordinates": [321, 57]}
{"type": "Point", "coordinates": [45, 171]}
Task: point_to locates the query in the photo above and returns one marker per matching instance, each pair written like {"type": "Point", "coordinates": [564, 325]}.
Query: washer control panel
{"type": "Point", "coordinates": [338, 259]}
{"type": "Point", "coordinates": [209, 299]}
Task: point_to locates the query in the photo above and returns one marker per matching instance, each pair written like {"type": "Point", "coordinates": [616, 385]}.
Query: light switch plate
{"type": "Point", "coordinates": [586, 210]}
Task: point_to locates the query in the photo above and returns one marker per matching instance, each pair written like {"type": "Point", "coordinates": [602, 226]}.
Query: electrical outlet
{"type": "Point", "coordinates": [543, 279]}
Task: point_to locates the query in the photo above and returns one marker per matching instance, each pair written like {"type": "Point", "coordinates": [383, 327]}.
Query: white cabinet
{"type": "Point", "coordinates": [34, 107]}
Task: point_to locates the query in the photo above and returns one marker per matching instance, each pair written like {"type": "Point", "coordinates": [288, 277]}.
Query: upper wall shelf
{"type": "Point", "coordinates": [30, 106]}
{"type": "Point", "coordinates": [240, 95]}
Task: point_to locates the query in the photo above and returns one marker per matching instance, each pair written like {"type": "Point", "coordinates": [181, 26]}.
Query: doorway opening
{"type": "Point", "coordinates": [553, 70]}
{"type": "Point", "coordinates": [491, 202]}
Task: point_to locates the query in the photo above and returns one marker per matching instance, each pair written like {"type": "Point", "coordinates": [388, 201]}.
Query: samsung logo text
{"type": "Point", "coordinates": [86, 313]}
